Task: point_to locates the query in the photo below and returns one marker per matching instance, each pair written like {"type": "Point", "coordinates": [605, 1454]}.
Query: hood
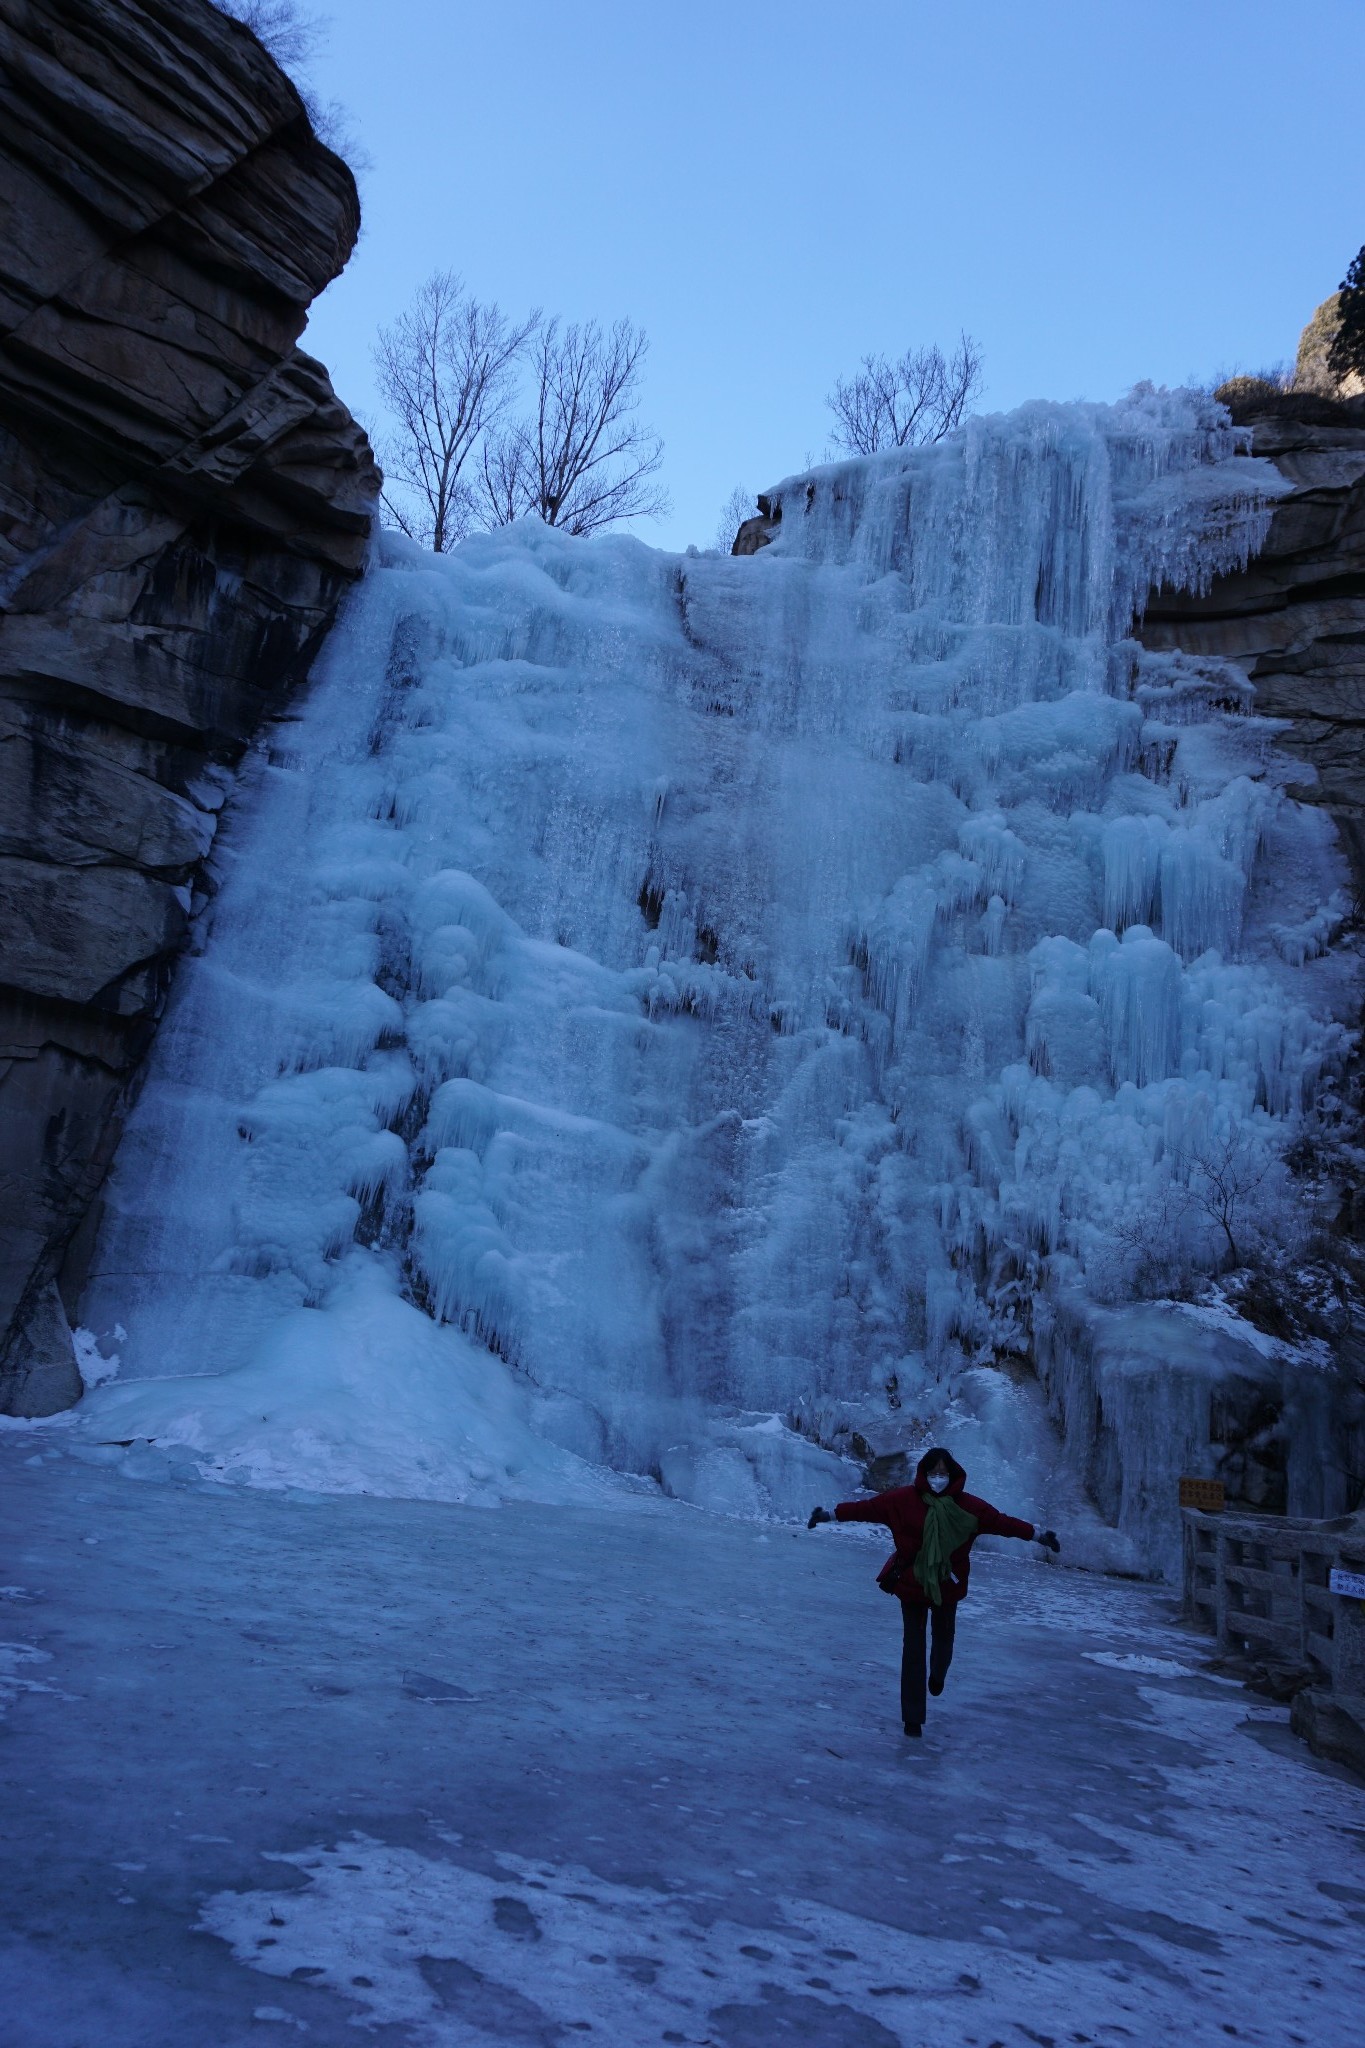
{"type": "Point", "coordinates": [956, 1482]}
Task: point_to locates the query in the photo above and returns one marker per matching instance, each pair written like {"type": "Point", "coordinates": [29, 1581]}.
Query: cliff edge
{"type": "Point", "coordinates": [183, 502]}
{"type": "Point", "coordinates": [1294, 618]}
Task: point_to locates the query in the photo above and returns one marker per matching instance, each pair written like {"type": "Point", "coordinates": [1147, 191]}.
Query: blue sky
{"type": "Point", "coordinates": [1098, 192]}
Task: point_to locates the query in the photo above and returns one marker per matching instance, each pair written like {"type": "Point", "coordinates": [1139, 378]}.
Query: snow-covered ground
{"type": "Point", "coordinates": [284, 1768]}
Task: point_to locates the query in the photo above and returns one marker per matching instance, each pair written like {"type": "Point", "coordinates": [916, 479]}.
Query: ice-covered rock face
{"type": "Point", "coordinates": [719, 986]}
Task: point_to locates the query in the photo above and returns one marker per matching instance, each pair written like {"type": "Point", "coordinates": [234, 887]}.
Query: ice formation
{"type": "Point", "coordinates": [656, 999]}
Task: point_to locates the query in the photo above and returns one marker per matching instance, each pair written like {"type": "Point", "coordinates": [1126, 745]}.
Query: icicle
{"type": "Point", "coordinates": [1136, 983]}
{"type": "Point", "coordinates": [1132, 870]}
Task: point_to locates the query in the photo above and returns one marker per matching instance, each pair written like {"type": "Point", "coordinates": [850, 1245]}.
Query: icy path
{"type": "Point", "coordinates": [537, 1775]}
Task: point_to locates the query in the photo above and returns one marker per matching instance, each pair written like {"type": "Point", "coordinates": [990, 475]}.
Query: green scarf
{"type": "Point", "coordinates": [946, 1528]}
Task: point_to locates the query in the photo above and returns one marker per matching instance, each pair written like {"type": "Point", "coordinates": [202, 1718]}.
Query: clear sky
{"type": "Point", "coordinates": [1098, 190]}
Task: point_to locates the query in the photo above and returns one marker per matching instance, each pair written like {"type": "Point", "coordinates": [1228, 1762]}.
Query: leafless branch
{"type": "Point", "coordinates": [291, 35]}
{"type": "Point", "coordinates": [1226, 1174]}
{"type": "Point", "coordinates": [445, 368]}
{"type": "Point", "coordinates": [739, 506]}
{"type": "Point", "coordinates": [506, 464]}
{"type": "Point", "coordinates": [1226, 1205]}
{"type": "Point", "coordinates": [904, 404]}
{"type": "Point", "coordinates": [580, 458]}
{"type": "Point", "coordinates": [294, 38]}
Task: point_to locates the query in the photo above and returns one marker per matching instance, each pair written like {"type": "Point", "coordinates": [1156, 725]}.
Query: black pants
{"type": "Point", "coordinates": [913, 1700]}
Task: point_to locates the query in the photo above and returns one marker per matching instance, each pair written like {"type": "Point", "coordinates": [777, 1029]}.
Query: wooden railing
{"type": "Point", "coordinates": [1259, 1583]}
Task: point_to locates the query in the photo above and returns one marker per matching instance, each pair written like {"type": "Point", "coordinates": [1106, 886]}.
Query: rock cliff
{"type": "Point", "coordinates": [1312, 368]}
{"type": "Point", "coordinates": [1294, 619]}
{"type": "Point", "coordinates": [1294, 622]}
{"type": "Point", "coordinates": [183, 501]}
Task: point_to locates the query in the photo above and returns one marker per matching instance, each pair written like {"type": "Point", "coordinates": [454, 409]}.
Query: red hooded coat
{"type": "Point", "coordinates": [901, 1510]}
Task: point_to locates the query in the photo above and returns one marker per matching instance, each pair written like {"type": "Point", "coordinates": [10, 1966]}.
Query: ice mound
{"type": "Point", "coordinates": [649, 994]}
{"type": "Point", "coordinates": [366, 1395]}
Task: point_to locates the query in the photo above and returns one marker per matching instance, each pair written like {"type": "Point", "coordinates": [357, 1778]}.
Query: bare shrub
{"type": "Point", "coordinates": [292, 36]}
{"type": "Point", "coordinates": [294, 39]}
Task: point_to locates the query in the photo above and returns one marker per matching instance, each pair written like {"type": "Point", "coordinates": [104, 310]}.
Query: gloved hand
{"type": "Point", "coordinates": [1048, 1539]}
{"type": "Point", "coordinates": [818, 1515]}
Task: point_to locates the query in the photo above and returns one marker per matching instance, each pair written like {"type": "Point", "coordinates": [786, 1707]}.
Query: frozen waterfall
{"type": "Point", "coordinates": [653, 1001]}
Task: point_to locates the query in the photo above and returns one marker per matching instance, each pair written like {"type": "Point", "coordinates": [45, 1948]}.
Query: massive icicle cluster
{"type": "Point", "coordinates": [728, 989]}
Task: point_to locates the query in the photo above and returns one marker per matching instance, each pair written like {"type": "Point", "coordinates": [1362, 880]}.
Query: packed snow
{"type": "Point", "coordinates": [446, 1778]}
{"type": "Point", "coordinates": [663, 1014]}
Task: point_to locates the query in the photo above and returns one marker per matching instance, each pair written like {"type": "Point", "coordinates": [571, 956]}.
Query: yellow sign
{"type": "Point", "coordinates": [1203, 1493]}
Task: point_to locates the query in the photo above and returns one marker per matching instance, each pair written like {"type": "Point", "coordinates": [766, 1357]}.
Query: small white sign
{"type": "Point", "coordinates": [1352, 1584]}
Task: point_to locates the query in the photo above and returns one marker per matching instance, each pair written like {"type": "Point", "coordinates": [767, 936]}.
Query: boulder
{"type": "Point", "coordinates": [43, 1358]}
{"type": "Point", "coordinates": [183, 502]}
{"type": "Point", "coordinates": [1311, 370]}
{"type": "Point", "coordinates": [759, 531]}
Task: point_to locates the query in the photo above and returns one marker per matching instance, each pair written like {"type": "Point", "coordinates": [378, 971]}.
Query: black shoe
{"type": "Point", "coordinates": [913, 1728]}
{"type": "Point", "coordinates": [936, 1686]}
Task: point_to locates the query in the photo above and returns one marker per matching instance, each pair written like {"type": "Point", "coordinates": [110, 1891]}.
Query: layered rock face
{"type": "Point", "coordinates": [183, 501]}
{"type": "Point", "coordinates": [1294, 619]}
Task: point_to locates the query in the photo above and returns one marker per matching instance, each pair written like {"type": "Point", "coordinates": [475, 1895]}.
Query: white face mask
{"type": "Point", "coordinates": [938, 1480]}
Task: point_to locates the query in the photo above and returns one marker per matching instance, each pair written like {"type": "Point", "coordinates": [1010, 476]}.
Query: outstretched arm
{"type": "Point", "coordinates": [990, 1522]}
{"type": "Point", "coordinates": [874, 1510]}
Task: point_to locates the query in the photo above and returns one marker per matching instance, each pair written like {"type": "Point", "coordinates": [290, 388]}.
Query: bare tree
{"type": "Point", "coordinates": [1227, 1204]}
{"type": "Point", "coordinates": [580, 458]}
{"type": "Point", "coordinates": [1227, 1174]}
{"type": "Point", "coordinates": [506, 487]}
{"type": "Point", "coordinates": [1153, 1237]}
{"type": "Point", "coordinates": [445, 368]}
{"type": "Point", "coordinates": [903, 404]}
{"type": "Point", "coordinates": [739, 506]}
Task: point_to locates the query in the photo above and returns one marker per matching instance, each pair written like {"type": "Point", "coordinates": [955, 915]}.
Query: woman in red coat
{"type": "Point", "coordinates": [934, 1523]}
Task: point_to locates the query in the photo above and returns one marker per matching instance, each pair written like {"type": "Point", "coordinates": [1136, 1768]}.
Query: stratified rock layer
{"type": "Point", "coordinates": [1294, 619]}
{"type": "Point", "coordinates": [183, 500]}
